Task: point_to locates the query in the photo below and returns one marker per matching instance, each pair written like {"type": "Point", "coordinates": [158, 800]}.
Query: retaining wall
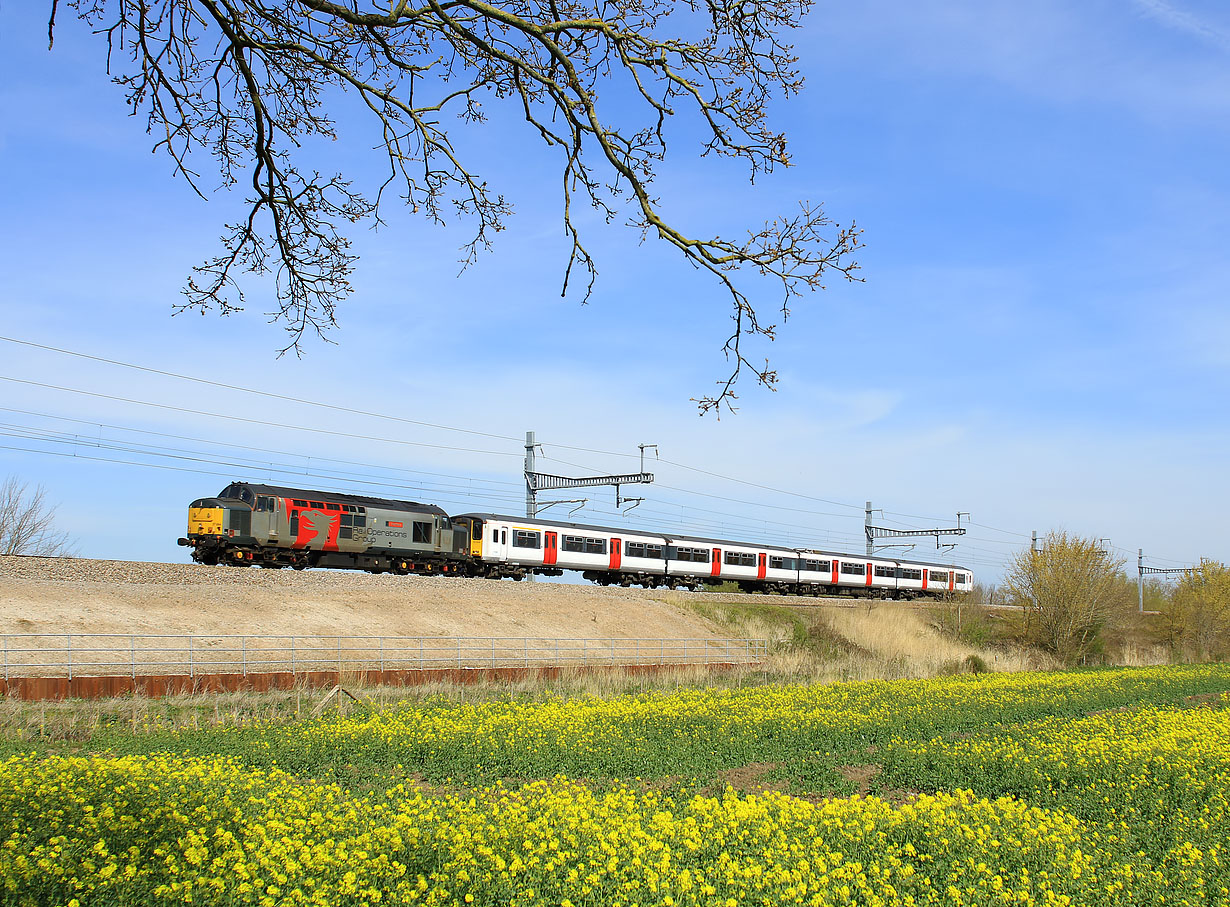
{"type": "Point", "coordinates": [154, 685]}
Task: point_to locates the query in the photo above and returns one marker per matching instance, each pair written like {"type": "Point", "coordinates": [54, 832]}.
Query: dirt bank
{"type": "Point", "coordinates": [50, 595]}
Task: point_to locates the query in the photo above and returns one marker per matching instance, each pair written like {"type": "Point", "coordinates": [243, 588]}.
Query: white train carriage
{"type": "Point", "coordinates": [516, 546]}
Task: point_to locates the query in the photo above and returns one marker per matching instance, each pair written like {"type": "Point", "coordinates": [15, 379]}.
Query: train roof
{"type": "Point", "coordinates": [282, 491]}
{"type": "Point", "coordinates": [693, 538]}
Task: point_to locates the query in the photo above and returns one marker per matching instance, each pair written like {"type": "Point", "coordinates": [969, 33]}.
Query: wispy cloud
{"type": "Point", "coordinates": [1185, 21]}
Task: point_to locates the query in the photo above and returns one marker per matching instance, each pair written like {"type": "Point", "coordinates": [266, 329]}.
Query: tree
{"type": "Point", "coordinates": [27, 523]}
{"type": "Point", "coordinates": [1196, 615]}
{"type": "Point", "coordinates": [248, 81]}
{"type": "Point", "coordinates": [1069, 593]}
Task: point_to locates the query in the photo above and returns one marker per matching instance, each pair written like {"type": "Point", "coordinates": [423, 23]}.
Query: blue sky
{"type": "Point", "coordinates": [1042, 339]}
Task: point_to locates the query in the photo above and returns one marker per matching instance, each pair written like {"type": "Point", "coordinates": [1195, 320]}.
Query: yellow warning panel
{"type": "Point", "coordinates": [204, 520]}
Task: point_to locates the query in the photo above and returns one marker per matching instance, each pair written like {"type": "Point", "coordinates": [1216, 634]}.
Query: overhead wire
{"type": "Point", "coordinates": [432, 425]}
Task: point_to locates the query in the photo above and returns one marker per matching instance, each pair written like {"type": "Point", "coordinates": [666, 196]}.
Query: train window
{"type": "Point", "coordinates": [595, 546]}
{"type": "Point", "coordinates": [907, 573]}
{"type": "Point", "coordinates": [422, 533]}
{"type": "Point", "coordinates": [503, 537]}
{"type": "Point", "coordinates": [345, 533]}
{"type": "Point", "coordinates": [886, 572]}
{"type": "Point", "coordinates": [332, 507]}
{"type": "Point", "coordinates": [317, 505]}
{"type": "Point", "coordinates": [360, 521]}
{"type": "Point", "coordinates": [939, 576]}
{"type": "Point", "coordinates": [362, 510]}
{"type": "Point", "coordinates": [818, 566]}
{"type": "Point", "coordinates": [299, 503]}
{"type": "Point", "coordinates": [739, 559]}
{"type": "Point", "coordinates": [347, 521]}
{"type": "Point", "coordinates": [495, 536]}
{"type": "Point", "coordinates": [782, 563]}
{"type": "Point", "coordinates": [960, 577]}
{"type": "Point", "coordinates": [525, 539]}
{"type": "Point", "coordinates": [700, 555]}
{"type": "Point", "coordinates": [634, 549]}
{"type": "Point", "coordinates": [574, 543]}
{"type": "Point", "coordinates": [853, 569]}
{"type": "Point", "coordinates": [653, 551]}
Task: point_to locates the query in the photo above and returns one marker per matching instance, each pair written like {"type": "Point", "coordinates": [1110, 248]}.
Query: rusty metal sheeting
{"type": "Point", "coordinates": [156, 685]}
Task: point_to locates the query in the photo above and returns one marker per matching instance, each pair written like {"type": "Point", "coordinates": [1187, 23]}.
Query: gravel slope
{"type": "Point", "coordinates": [49, 595]}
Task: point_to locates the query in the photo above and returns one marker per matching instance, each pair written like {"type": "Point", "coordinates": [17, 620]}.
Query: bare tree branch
{"type": "Point", "coordinates": [27, 522]}
{"type": "Point", "coordinates": [247, 82]}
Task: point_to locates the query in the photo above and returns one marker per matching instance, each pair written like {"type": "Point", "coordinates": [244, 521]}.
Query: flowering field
{"type": "Point", "coordinates": [1078, 789]}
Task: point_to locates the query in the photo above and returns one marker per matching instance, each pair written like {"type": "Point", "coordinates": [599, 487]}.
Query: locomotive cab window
{"type": "Point", "coordinates": [525, 539]}
{"type": "Point", "coordinates": [422, 533]}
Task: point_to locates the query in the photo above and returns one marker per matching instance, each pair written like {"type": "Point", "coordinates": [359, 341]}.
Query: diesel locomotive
{"type": "Point", "coordinates": [273, 526]}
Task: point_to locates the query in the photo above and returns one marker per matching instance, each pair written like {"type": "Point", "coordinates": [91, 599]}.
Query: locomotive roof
{"type": "Point", "coordinates": [693, 538]}
{"type": "Point", "coordinates": [333, 496]}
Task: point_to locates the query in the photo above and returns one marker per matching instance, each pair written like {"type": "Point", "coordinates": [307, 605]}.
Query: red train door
{"type": "Point", "coordinates": [717, 563]}
{"type": "Point", "coordinates": [761, 567]}
{"type": "Point", "coordinates": [834, 571]}
{"type": "Point", "coordinates": [616, 554]}
{"type": "Point", "coordinates": [550, 553]}
{"type": "Point", "coordinates": [952, 579]}
{"type": "Point", "coordinates": [869, 574]}
{"type": "Point", "coordinates": [925, 574]}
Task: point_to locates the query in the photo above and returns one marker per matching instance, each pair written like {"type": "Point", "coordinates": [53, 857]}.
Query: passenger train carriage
{"type": "Point", "coordinates": [274, 526]}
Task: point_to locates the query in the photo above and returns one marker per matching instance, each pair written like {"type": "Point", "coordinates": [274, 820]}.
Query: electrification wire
{"type": "Point", "coordinates": [265, 422]}
{"type": "Point", "coordinates": [223, 443]}
{"type": "Point", "coordinates": [373, 414]}
{"type": "Point", "coordinates": [260, 393]}
{"type": "Point", "coordinates": [437, 426]}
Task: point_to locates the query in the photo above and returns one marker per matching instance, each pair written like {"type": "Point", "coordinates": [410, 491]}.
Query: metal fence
{"type": "Point", "coordinates": [81, 655]}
